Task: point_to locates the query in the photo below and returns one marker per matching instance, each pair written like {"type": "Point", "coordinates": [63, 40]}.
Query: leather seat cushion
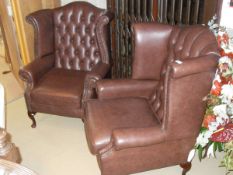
{"type": "Point", "coordinates": [103, 116]}
{"type": "Point", "coordinates": [60, 87]}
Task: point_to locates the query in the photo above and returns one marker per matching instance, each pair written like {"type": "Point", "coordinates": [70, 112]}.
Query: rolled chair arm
{"type": "Point", "coordinates": [32, 72]}
{"type": "Point", "coordinates": [137, 137]}
{"type": "Point", "coordinates": [100, 70]}
{"type": "Point", "coordinates": [194, 66]}
{"type": "Point", "coordinates": [97, 73]}
{"type": "Point", "coordinates": [107, 89]}
{"type": "Point", "coordinates": [109, 14]}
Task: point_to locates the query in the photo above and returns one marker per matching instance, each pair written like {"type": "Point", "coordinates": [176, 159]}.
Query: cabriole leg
{"type": "Point", "coordinates": [31, 115]}
{"type": "Point", "coordinates": [186, 167]}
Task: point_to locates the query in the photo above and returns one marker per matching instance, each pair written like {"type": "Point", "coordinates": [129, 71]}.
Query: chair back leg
{"type": "Point", "coordinates": [186, 167]}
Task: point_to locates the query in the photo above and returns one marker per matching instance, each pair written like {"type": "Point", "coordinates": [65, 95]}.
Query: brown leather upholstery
{"type": "Point", "coordinates": [152, 120]}
{"type": "Point", "coordinates": [71, 54]}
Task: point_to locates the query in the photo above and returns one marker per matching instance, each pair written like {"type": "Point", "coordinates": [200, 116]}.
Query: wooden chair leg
{"type": "Point", "coordinates": [186, 167]}
{"type": "Point", "coordinates": [31, 115]}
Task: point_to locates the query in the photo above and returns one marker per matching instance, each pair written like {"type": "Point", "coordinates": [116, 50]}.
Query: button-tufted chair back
{"type": "Point", "coordinates": [184, 43]}
{"type": "Point", "coordinates": [75, 36]}
{"type": "Point", "coordinates": [71, 54]}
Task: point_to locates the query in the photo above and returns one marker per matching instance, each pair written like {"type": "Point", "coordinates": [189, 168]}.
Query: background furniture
{"type": "Point", "coordinates": [71, 53]}
{"type": "Point", "coordinates": [8, 150]}
{"type": "Point", "coordinates": [152, 120]}
{"type": "Point", "coordinates": [7, 167]}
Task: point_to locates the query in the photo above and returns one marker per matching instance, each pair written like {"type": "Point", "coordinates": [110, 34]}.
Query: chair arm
{"type": "Point", "coordinates": [32, 72]}
{"type": "Point", "coordinates": [137, 137]}
{"type": "Point", "coordinates": [107, 89]}
{"type": "Point", "coordinates": [194, 66]}
{"type": "Point", "coordinates": [109, 14]}
{"type": "Point", "coordinates": [97, 73]}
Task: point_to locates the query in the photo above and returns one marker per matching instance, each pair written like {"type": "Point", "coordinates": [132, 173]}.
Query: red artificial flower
{"type": "Point", "coordinates": [223, 53]}
{"type": "Point", "coordinates": [216, 90]}
{"type": "Point", "coordinates": [223, 67]}
{"type": "Point", "coordinates": [225, 80]}
{"type": "Point", "coordinates": [223, 39]}
{"type": "Point", "coordinates": [208, 119]}
{"type": "Point", "coordinates": [230, 55]}
{"type": "Point", "coordinates": [223, 134]}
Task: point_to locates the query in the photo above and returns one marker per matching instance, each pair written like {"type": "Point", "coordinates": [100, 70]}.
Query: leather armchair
{"type": "Point", "coordinates": [71, 54]}
{"type": "Point", "coordinates": [152, 120]}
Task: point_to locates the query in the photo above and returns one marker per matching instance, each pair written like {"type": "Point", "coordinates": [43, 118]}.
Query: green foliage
{"type": "Point", "coordinates": [228, 158]}
{"type": "Point", "coordinates": [213, 100]}
{"type": "Point", "coordinates": [200, 152]}
{"type": "Point", "coordinates": [203, 129]}
{"type": "Point", "coordinates": [209, 110]}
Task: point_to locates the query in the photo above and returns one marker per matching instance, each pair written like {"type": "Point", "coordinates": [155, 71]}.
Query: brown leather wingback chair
{"type": "Point", "coordinates": [152, 120]}
{"type": "Point", "coordinates": [71, 53]}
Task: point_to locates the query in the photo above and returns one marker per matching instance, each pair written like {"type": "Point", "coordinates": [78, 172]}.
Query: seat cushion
{"type": "Point", "coordinates": [60, 87]}
{"type": "Point", "coordinates": [103, 116]}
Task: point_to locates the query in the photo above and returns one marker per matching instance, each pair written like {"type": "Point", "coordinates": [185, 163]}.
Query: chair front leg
{"type": "Point", "coordinates": [31, 115]}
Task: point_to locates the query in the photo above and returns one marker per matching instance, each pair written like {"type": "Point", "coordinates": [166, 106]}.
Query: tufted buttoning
{"type": "Point", "coordinates": [72, 40]}
{"type": "Point", "coordinates": [77, 29]}
{"type": "Point", "coordinates": [82, 18]}
{"type": "Point", "coordinates": [87, 29]}
{"type": "Point", "coordinates": [71, 62]}
{"type": "Point", "coordinates": [82, 41]}
{"type": "Point", "coordinates": [57, 28]}
{"type": "Point", "coordinates": [91, 64]}
{"type": "Point", "coordinates": [62, 17]}
{"type": "Point", "coordinates": [81, 61]}
{"type": "Point", "coordinates": [97, 53]}
{"type": "Point", "coordinates": [66, 51]}
{"type": "Point", "coordinates": [87, 53]}
{"type": "Point", "coordinates": [72, 17]}
{"type": "Point", "coordinates": [62, 39]}
{"type": "Point", "coordinates": [62, 61]}
{"type": "Point", "coordinates": [67, 29]}
{"type": "Point", "coordinates": [92, 41]}
{"type": "Point", "coordinates": [92, 18]}
{"type": "Point", "coordinates": [76, 52]}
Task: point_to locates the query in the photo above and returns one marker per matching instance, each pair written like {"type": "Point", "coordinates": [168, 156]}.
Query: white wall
{"type": "Point", "coordinates": [226, 17]}
{"type": "Point", "coordinates": [227, 14]}
{"type": "Point", "coordinates": [98, 3]}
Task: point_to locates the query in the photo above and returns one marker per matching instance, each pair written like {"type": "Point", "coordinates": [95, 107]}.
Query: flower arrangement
{"type": "Point", "coordinates": [216, 133]}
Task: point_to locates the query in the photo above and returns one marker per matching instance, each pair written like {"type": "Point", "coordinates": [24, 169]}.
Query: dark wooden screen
{"type": "Point", "coordinates": [181, 12]}
{"type": "Point", "coordinates": [126, 13]}
{"type": "Point", "coordinates": [165, 11]}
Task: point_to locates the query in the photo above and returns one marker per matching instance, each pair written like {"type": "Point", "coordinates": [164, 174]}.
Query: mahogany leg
{"type": "Point", "coordinates": [82, 120]}
{"type": "Point", "coordinates": [186, 167]}
{"type": "Point", "coordinates": [31, 115]}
